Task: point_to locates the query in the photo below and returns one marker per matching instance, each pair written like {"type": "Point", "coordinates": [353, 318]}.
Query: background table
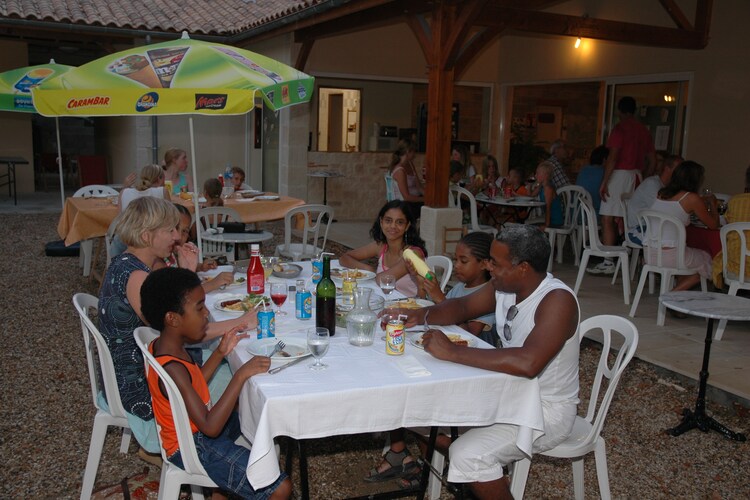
{"type": "Point", "coordinates": [325, 175]}
{"type": "Point", "coordinates": [10, 163]}
{"type": "Point", "coordinates": [363, 390]}
{"type": "Point", "coordinates": [237, 238]}
{"type": "Point", "coordinates": [712, 306]}
{"type": "Point", "coordinates": [517, 204]}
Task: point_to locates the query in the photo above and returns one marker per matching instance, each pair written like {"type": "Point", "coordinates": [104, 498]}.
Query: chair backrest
{"type": "Point", "coordinates": [457, 192]}
{"type": "Point", "coordinates": [109, 237]}
{"type": "Point", "coordinates": [95, 190]}
{"type": "Point", "coordinates": [192, 465]}
{"type": "Point", "coordinates": [653, 226]}
{"type": "Point", "coordinates": [608, 324]}
{"type": "Point", "coordinates": [85, 304]}
{"type": "Point", "coordinates": [211, 217]}
{"type": "Point", "coordinates": [391, 189]}
{"type": "Point", "coordinates": [445, 264]}
{"type": "Point", "coordinates": [571, 196]}
{"type": "Point", "coordinates": [92, 170]}
{"type": "Point", "coordinates": [316, 222]}
{"type": "Point", "coordinates": [590, 226]}
{"type": "Point", "coordinates": [734, 239]}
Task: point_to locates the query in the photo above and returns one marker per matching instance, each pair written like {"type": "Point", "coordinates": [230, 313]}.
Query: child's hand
{"type": "Point", "coordinates": [209, 264]}
{"type": "Point", "coordinates": [432, 287]}
{"type": "Point", "coordinates": [258, 364]}
{"type": "Point", "coordinates": [223, 279]}
{"type": "Point", "coordinates": [229, 340]}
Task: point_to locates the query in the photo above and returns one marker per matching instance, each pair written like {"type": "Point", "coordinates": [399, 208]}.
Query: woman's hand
{"type": "Point", "coordinates": [230, 339]}
{"type": "Point", "coordinates": [187, 256]}
{"type": "Point", "coordinates": [129, 180]}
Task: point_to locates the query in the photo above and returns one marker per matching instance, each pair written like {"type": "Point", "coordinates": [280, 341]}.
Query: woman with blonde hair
{"type": "Point", "coordinates": [150, 182]}
{"type": "Point", "coordinates": [149, 228]}
{"type": "Point", "coordinates": [175, 170]}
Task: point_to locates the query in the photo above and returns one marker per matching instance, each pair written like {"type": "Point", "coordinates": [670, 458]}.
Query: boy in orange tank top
{"type": "Point", "coordinates": [173, 302]}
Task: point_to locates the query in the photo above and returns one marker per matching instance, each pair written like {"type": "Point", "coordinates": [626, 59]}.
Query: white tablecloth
{"type": "Point", "coordinates": [363, 391]}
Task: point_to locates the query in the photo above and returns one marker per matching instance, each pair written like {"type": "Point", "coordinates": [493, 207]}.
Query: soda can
{"type": "Point", "coordinates": [508, 192]}
{"type": "Point", "coordinates": [266, 324]}
{"type": "Point", "coordinates": [303, 304]}
{"type": "Point", "coordinates": [317, 270]}
{"type": "Point", "coordinates": [394, 337]}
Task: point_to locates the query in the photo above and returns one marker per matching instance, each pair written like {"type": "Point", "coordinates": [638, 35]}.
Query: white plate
{"type": "Point", "coordinates": [416, 341]}
{"type": "Point", "coordinates": [337, 275]}
{"type": "Point", "coordinates": [400, 303]}
{"type": "Point", "coordinates": [267, 197]}
{"type": "Point", "coordinates": [296, 348]}
{"type": "Point", "coordinates": [218, 304]}
{"type": "Point", "coordinates": [288, 271]}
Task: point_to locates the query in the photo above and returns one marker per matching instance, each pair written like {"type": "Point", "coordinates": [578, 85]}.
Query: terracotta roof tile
{"type": "Point", "coordinates": [218, 17]}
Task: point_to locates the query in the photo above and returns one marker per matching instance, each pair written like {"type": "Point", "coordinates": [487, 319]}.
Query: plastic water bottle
{"type": "Point", "coordinates": [228, 175]}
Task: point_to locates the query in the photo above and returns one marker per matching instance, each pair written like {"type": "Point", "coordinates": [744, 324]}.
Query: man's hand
{"type": "Point", "coordinates": [410, 316]}
{"type": "Point", "coordinates": [229, 340]}
{"type": "Point", "coordinates": [604, 191]}
{"type": "Point", "coordinates": [436, 343]}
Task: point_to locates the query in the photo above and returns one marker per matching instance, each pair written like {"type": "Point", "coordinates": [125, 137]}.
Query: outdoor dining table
{"type": "Point", "coordinates": [84, 218]}
{"type": "Point", "coordinates": [10, 163]}
{"type": "Point", "coordinates": [520, 204]}
{"type": "Point", "coordinates": [365, 390]}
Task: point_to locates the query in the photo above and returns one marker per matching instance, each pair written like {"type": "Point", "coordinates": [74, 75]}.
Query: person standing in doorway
{"type": "Point", "coordinates": [631, 151]}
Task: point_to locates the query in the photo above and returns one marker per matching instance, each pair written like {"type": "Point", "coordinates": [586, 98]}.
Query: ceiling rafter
{"type": "Point", "coordinates": [676, 14]}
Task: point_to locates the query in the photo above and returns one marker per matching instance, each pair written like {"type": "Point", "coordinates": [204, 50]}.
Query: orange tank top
{"type": "Point", "coordinates": [162, 408]}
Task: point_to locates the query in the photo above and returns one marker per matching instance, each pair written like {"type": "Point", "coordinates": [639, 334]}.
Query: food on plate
{"type": "Point", "coordinates": [186, 196]}
{"type": "Point", "coordinates": [278, 268]}
{"type": "Point", "coordinates": [406, 304]}
{"type": "Point", "coordinates": [456, 339]}
{"type": "Point", "coordinates": [353, 273]}
{"type": "Point", "coordinates": [244, 304]}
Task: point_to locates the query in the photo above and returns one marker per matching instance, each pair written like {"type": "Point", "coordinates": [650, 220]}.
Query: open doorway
{"type": "Point", "coordinates": [338, 120]}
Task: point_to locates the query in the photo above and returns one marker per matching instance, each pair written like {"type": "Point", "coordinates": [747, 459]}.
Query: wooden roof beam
{"type": "Point", "coordinates": [474, 46]}
{"type": "Point", "coordinates": [603, 29]}
{"type": "Point", "coordinates": [676, 14]}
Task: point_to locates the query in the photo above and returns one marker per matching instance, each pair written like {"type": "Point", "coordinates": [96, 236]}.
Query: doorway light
{"type": "Point", "coordinates": [578, 42]}
{"type": "Point", "coordinates": [668, 98]}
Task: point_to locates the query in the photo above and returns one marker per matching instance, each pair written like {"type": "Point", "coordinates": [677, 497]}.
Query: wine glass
{"type": "Point", "coordinates": [278, 295]}
{"type": "Point", "coordinates": [387, 283]}
{"type": "Point", "coordinates": [318, 341]}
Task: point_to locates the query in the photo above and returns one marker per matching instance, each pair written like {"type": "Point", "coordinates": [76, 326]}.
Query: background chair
{"type": "Point", "coordinates": [87, 246]}
{"type": "Point", "coordinates": [592, 246]}
{"type": "Point", "coordinates": [586, 436]}
{"type": "Point", "coordinates": [104, 391]}
{"type": "Point", "coordinates": [211, 217]}
{"type": "Point", "coordinates": [389, 194]}
{"type": "Point", "coordinates": [571, 198]}
{"type": "Point", "coordinates": [734, 245]}
{"type": "Point", "coordinates": [454, 200]}
{"type": "Point", "coordinates": [316, 218]}
{"type": "Point", "coordinates": [657, 222]}
{"type": "Point", "coordinates": [445, 265]}
{"type": "Point", "coordinates": [193, 473]}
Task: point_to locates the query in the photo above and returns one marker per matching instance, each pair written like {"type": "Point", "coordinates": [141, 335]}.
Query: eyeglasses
{"type": "Point", "coordinates": [512, 312]}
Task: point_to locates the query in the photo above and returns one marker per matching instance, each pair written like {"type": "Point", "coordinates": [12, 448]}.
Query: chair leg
{"type": "Point", "coordinates": [196, 492]}
{"type": "Point", "coordinates": [519, 475]}
{"type": "Point", "coordinates": [560, 247]}
{"type": "Point", "coordinates": [87, 249]}
{"type": "Point", "coordinates": [578, 478]}
{"type": "Point", "coordinates": [434, 485]}
{"type": "Point", "coordinates": [581, 270]}
{"type": "Point", "coordinates": [600, 454]}
{"type": "Point", "coordinates": [637, 298]}
{"type": "Point", "coordinates": [169, 488]}
{"type": "Point", "coordinates": [625, 278]}
{"type": "Point", "coordinates": [666, 283]}
{"type": "Point", "coordinates": [552, 251]}
{"type": "Point", "coordinates": [98, 434]}
{"type": "Point", "coordinates": [635, 253]}
{"type": "Point", "coordinates": [125, 441]}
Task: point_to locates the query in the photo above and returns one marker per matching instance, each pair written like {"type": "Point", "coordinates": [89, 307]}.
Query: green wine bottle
{"type": "Point", "coordinates": [325, 299]}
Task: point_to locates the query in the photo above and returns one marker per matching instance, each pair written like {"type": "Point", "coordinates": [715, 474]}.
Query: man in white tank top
{"type": "Point", "coordinates": [537, 319]}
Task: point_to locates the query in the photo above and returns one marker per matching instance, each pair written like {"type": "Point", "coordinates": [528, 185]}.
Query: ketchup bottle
{"type": "Point", "coordinates": [255, 276]}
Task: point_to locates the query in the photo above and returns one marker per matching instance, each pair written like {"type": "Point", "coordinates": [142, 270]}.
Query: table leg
{"type": "Point", "coordinates": [304, 487]}
{"type": "Point", "coordinates": [698, 418]}
{"type": "Point", "coordinates": [324, 220]}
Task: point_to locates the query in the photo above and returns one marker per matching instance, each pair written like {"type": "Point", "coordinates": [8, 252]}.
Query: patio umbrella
{"type": "Point", "coordinates": [171, 78]}
{"type": "Point", "coordinates": [15, 95]}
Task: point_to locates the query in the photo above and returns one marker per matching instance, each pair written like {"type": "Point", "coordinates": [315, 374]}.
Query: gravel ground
{"type": "Point", "coordinates": [47, 412]}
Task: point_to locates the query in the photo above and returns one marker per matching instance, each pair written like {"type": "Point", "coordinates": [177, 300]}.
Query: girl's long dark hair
{"type": "Point", "coordinates": [688, 176]}
{"type": "Point", "coordinates": [411, 237]}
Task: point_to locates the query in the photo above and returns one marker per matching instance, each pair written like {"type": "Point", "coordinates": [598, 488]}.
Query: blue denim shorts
{"type": "Point", "coordinates": [226, 462]}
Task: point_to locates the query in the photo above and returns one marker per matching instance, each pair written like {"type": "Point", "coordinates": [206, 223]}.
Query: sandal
{"type": "Point", "coordinates": [410, 481]}
{"type": "Point", "coordinates": [398, 467]}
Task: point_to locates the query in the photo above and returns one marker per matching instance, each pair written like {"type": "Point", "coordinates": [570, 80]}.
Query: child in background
{"type": "Point", "coordinates": [238, 180]}
{"type": "Point", "coordinates": [553, 212]}
{"type": "Point", "coordinates": [212, 192]}
{"type": "Point", "coordinates": [174, 303]}
{"type": "Point", "coordinates": [472, 251]}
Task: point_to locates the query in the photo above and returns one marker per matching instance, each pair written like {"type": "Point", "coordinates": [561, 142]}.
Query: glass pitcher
{"type": "Point", "coordinates": [360, 322]}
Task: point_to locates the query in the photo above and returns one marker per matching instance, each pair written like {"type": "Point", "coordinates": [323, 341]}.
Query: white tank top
{"type": "Point", "coordinates": [558, 382]}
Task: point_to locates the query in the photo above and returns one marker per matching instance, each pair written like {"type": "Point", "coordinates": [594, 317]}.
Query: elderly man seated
{"type": "Point", "coordinates": [539, 315]}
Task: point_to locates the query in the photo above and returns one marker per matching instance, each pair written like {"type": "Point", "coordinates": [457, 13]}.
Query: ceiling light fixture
{"type": "Point", "coordinates": [668, 98]}
{"type": "Point", "coordinates": [578, 42]}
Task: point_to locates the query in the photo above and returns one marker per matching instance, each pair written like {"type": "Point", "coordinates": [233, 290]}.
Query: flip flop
{"type": "Point", "coordinates": [397, 467]}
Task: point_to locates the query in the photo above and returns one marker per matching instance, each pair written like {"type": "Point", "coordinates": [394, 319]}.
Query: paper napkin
{"type": "Point", "coordinates": [411, 367]}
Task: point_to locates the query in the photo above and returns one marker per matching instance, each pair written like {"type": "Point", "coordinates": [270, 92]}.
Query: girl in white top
{"type": "Point", "coordinates": [149, 183]}
{"type": "Point", "coordinates": [679, 199]}
{"type": "Point", "coordinates": [406, 183]}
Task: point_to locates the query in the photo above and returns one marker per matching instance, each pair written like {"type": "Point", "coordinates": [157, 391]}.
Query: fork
{"type": "Point", "coordinates": [278, 347]}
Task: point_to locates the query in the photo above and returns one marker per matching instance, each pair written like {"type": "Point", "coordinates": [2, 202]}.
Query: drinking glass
{"type": "Point", "coordinates": [278, 296]}
{"type": "Point", "coordinates": [387, 283]}
{"type": "Point", "coordinates": [317, 341]}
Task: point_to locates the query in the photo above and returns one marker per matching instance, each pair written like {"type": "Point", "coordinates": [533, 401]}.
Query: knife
{"type": "Point", "coordinates": [279, 368]}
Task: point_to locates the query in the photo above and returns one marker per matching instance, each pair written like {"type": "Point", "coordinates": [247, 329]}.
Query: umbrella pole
{"type": "Point", "coordinates": [59, 163]}
{"type": "Point", "coordinates": [195, 191]}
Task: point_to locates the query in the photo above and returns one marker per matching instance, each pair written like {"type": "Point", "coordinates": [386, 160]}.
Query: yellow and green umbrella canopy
{"type": "Point", "coordinates": [177, 77]}
{"type": "Point", "coordinates": [16, 85]}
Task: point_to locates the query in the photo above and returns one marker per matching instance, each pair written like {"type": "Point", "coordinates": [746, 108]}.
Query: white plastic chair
{"type": "Point", "coordinates": [586, 436]}
{"type": "Point", "coordinates": [193, 473]}
{"type": "Point", "coordinates": [108, 238]}
{"type": "Point", "coordinates": [445, 264]}
{"type": "Point", "coordinates": [633, 246]}
{"type": "Point", "coordinates": [741, 279]}
{"type": "Point", "coordinates": [592, 246]}
{"type": "Point", "coordinates": [317, 219]}
{"type": "Point", "coordinates": [390, 195]}
{"type": "Point", "coordinates": [104, 391]}
{"type": "Point", "coordinates": [454, 200]}
{"type": "Point", "coordinates": [655, 222]}
{"type": "Point", "coordinates": [87, 246]}
{"type": "Point", "coordinates": [571, 196]}
{"type": "Point", "coordinates": [211, 217]}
